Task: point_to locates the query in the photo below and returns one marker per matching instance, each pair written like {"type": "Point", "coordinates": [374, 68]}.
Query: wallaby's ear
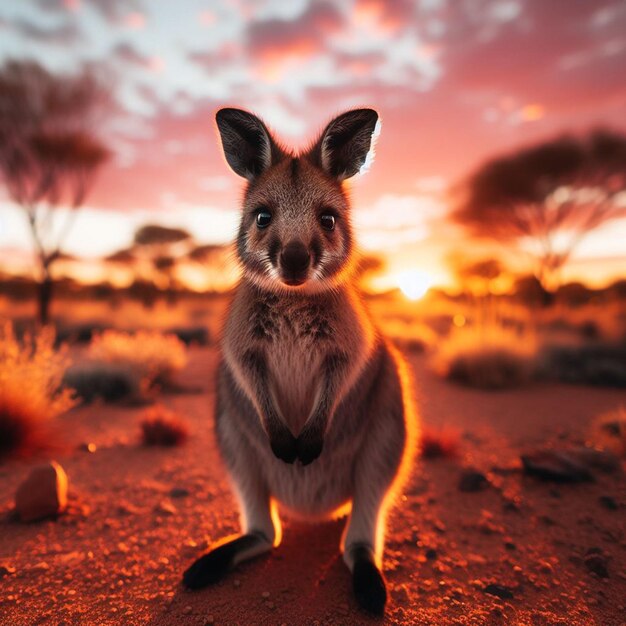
{"type": "Point", "coordinates": [345, 143]}
{"type": "Point", "coordinates": [248, 145]}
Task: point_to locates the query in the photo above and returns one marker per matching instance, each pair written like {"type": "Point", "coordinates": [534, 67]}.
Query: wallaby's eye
{"type": "Point", "coordinates": [327, 221]}
{"type": "Point", "coordinates": [263, 218]}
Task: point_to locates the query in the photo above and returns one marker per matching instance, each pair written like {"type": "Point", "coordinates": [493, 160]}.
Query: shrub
{"type": "Point", "coordinates": [595, 363]}
{"type": "Point", "coordinates": [192, 335]}
{"type": "Point", "coordinates": [162, 427]}
{"type": "Point", "coordinates": [78, 333]}
{"type": "Point", "coordinates": [110, 382]}
{"type": "Point", "coordinates": [153, 356]}
{"type": "Point", "coordinates": [30, 389]}
{"type": "Point", "coordinates": [409, 335]}
{"type": "Point", "coordinates": [488, 357]}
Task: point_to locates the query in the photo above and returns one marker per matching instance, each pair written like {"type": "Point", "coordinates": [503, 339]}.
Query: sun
{"type": "Point", "coordinates": [414, 283]}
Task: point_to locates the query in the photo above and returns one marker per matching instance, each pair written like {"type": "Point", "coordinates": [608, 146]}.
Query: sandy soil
{"type": "Point", "coordinates": [139, 516]}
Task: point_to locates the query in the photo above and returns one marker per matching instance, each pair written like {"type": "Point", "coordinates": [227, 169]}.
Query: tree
{"type": "Point", "coordinates": [48, 154]}
{"type": "Point", "coordinates": [210, 253]}
{"type": "Point", "coordinates": [476, 276]}
{"type": "Point", "coordinates": [164, 247]}
{"type": "Point", "coordinates": [546, 198]}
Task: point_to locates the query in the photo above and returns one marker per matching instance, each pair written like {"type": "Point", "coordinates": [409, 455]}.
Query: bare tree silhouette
{"type": "Point", "coordinates": [546, 198]}
{"type": "Point", "coordinates": [48, 154]}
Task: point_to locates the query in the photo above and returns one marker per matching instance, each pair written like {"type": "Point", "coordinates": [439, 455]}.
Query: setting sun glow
{"type": "Point", "coordinates": [414, 283]}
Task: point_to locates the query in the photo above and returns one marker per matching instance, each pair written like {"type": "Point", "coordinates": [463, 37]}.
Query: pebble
{"type": "Point", "coordinates": [167, 508]}
{"type": "Point", "coordinates": [187, 610]}
{"type": "Point", "coordinates": [179, 492]}
{"type": "Point", "coordinates": [6, 570]}
{"type": "Point", "coordinates": [265, 594]}
{"type": "Point", "coordinates": [608, 502]}
{"type": "Point", "coordinates": [493, 589]}
{"type": "Point", "coordinates": [598, 564]}
{"type": "Point", "coordinates": [559, 466]}
{"type": "Point", "coordinates": [43, 494]}
{"type": "Point", "coordinates": [472, 481]}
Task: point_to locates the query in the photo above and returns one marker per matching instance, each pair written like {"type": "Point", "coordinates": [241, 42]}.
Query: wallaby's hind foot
{"type": "Point", "coordinates": [211, 567]}
{"type": "Point", "coordinates": [368, 583]}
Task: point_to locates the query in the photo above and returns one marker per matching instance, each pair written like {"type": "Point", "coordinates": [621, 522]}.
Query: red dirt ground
{"type": "Point", "coordinates": [117, 556]}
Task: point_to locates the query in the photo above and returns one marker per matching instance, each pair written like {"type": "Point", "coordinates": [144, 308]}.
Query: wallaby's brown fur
{"type": "Point", "coordinates": [314, 408]}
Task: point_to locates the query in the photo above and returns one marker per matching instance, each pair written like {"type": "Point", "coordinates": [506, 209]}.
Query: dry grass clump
{"type": "Point", "coordinates": [162, 427]}
{"type": "Point", "coordinates": [31, 372]}
{"type": "Point", "coordinates": [154, 356]}
{"type": "Point", "coordinates": [488, 357]}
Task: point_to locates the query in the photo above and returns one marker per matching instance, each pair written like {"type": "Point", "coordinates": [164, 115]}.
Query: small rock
{"type": "Point", "coordinates": [612, 428]}
{"type": "Point", "coordinates": [598, 564]}
{"type": "Point", "coordinates": [43, 494]}
{"type": "Point", "coordinates": [179, 492]}
{"type": "Point", "coordinates": [471, 481]}
{"type": "Point", "coordinates": [401, 596]}
{"type": "Point", "coordinates": [265, 594]}
{"type": "Point", "coordinates": [559, 466]}
{"type": "Point", "coordinates": [6, 570]}
{"type": "Point", "coordinates": [493, 589]}
{"type": "Point", "coordinates": [187, 610]}
{"type": "Point", "coordinates": [608, 502]}
{"type": "Point", "coordinates": [593, 458]}
{"type": "Point", "coordinates": [41, 566]}
{"type": "Point", "coordinates": [166, 507]}
{"type": "Point", "coordinates": [88, 446]}
{"type": "Point", "coordinates": [209, 620]}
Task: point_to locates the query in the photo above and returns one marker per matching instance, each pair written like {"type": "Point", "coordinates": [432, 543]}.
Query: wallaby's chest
{"type": "Point", "coordinates": [299, 339]}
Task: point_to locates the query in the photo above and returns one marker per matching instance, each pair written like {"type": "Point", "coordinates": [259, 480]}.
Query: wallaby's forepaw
{"type": "Point", "coordinates": [310, 445]}
{"type": "Point", "coordinates": [284, 446]}
{"type": "Point", "coordinates": [369, 586]}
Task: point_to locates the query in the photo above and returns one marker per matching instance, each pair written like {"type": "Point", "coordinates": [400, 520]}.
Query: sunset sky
{"type": "Point", "coordinates": [454, 81]}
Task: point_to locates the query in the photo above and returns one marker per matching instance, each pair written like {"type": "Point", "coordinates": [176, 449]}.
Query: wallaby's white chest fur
{"type": "Point", "coordinates": [294, 366]}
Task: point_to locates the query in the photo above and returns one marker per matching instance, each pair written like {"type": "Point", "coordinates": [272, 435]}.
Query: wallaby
{"type": "Point", "coordinates": [314, 407]}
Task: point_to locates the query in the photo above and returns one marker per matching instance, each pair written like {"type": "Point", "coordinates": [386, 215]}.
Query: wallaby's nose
{"type": "Point", "coordinates": [294, 261]}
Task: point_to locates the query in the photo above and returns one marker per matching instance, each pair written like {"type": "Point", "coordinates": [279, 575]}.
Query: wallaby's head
{"type": "Point", "coordinates": [295, 230]}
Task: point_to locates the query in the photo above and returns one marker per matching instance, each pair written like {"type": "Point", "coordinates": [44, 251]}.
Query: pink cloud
{"type": "Point", "coordinates": [134, 20]}
{"type": "Point", "coordinates": [304, 35]}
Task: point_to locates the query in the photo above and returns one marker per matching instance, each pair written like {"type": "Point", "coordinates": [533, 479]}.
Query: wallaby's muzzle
{"type": "Point", "coordinates": [294, 263]}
